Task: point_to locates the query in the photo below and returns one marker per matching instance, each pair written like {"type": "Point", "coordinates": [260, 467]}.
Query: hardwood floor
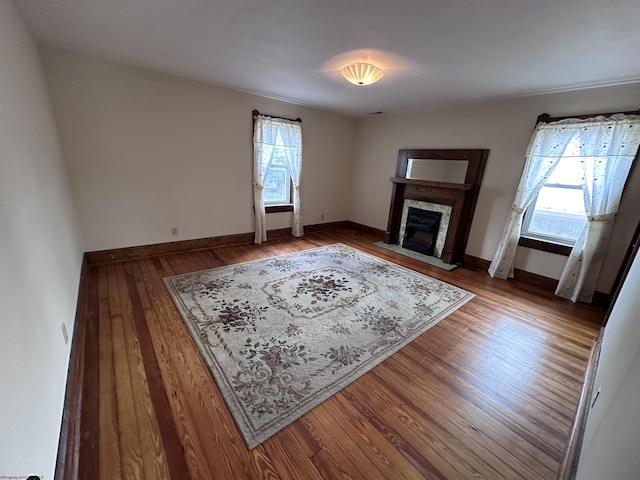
{"type": "Point", "coordinates": [490, 392]}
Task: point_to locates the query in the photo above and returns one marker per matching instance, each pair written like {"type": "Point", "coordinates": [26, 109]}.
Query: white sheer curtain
{"type": "Point", "coordinates": [294, 166]}
{"type": "Point", "coordinates": [270, 133]}
{"type": "Point", "coordinates": [543, 154]}
{"type": "Point", "coordinates": [608, 147]}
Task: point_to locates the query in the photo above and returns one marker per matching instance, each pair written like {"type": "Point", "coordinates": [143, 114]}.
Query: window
{"type": "Point", "coordinates": [277, 171]}
{"type": "Point", "coordinates": [567, 161]}
{"type": "Point", "coordinates": [556, 214]}
{"type": "Point", "coordinates": [277, 184]}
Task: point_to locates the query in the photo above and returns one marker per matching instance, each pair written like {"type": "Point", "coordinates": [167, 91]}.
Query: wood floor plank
{"type": "Point", "coordinates": [386, 419]}
{"type": "Point", "coordinates": [173, 377]}
{"type": "Point", "coordinates": [142, 366]}
{"type": "Point", "coordinates": [389, 460]}
{"type": "Point", "coordinates": [109, 459]}
{"type": "Point", "coordinates": [527, 383]}
{"type": "Point", "coordinates": [456, 418]}
{"type": "Point", "coordinates": [488, 393]}
{"type": "Point", "coordinates": [289, 457]}
{"type": "Point", "coordinates": [289, 461]}
{"type": "Point", "coordinates": [130, 448]}
{"type": "Point", "coordinates": [341, 455]}
{"type": "Point", "coordinates": [89, 444]}
{"type": "Point", "coordinates": [459, 401]}
{"type": "Point", "coordinates": [299, 432]}
{"type": "Point", "coordinates": [450, 416]}
{"type": "Point", "coordinates": [129, 438]}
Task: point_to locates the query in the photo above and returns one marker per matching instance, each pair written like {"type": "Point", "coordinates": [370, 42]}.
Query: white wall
{"type": "Point", "coordinates": [147, 151]}
{"type": "Point", "coordinates": [612, 433]}
{"type": "Point", "coordinates": [504, 127]}
{"type": "Point", "coordinates": [40, 259]}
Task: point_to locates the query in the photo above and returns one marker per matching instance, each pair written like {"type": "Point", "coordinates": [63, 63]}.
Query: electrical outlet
{"type": "Point", "coordinates": [65, 334]}
{"type": "Point", "coordinates": [174, 230]}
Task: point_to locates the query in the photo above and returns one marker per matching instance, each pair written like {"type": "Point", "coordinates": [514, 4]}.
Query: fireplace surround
{"type": "Point", "coordinates": [461, 197]}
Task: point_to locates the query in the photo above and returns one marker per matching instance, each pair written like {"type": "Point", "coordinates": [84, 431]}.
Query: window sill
{"type": "Point", "coordinates": [278, 208]}
{"type": "Point", "coordinates": [545, 246]}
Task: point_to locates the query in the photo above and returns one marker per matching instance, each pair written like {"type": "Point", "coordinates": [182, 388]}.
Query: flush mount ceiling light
{"type": "Point", "coordinates": [361, 73]}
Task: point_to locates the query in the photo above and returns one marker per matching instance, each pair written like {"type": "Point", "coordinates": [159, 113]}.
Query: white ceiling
{"type": "Point", "coordinates": [433, 51]}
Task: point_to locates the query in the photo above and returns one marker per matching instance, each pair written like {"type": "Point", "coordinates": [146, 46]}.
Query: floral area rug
{"type": "Point", "coordinates": [283, 334]}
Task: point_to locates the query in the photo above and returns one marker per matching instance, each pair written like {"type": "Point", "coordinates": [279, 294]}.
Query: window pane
{"type": "Point", "coordinates": [559, 212]}
{"type": "Point", "coordinates": [276, 186]}
{"type": "Point", "coordinates": [565, 200]}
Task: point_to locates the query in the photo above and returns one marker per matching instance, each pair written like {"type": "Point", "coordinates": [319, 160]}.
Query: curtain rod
{"type": "Point", "coordinates": [546, 118]}
{"type": "Point", "coordinates": [256, 112]}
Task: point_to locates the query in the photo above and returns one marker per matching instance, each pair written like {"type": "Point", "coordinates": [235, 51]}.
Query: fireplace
{"type": "Point", "coordinates": [421, 230]}
{"type": "Point", "coordinates": [458, 196]}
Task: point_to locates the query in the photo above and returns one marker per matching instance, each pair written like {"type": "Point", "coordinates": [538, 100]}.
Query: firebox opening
{"type": "Point", "coordinates": [421, 230]}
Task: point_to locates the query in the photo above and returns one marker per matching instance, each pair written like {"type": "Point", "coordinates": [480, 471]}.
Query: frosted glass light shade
{"type": "Point", "coordinates": [362, 73]}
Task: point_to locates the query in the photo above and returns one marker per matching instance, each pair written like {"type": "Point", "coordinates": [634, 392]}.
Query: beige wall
{"type": "Point", "coordinates": [504, 127]}
{"type": "Point", "coordinates": [148, 151]}
{"type": "Point", "coordinates": [40, 258]}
